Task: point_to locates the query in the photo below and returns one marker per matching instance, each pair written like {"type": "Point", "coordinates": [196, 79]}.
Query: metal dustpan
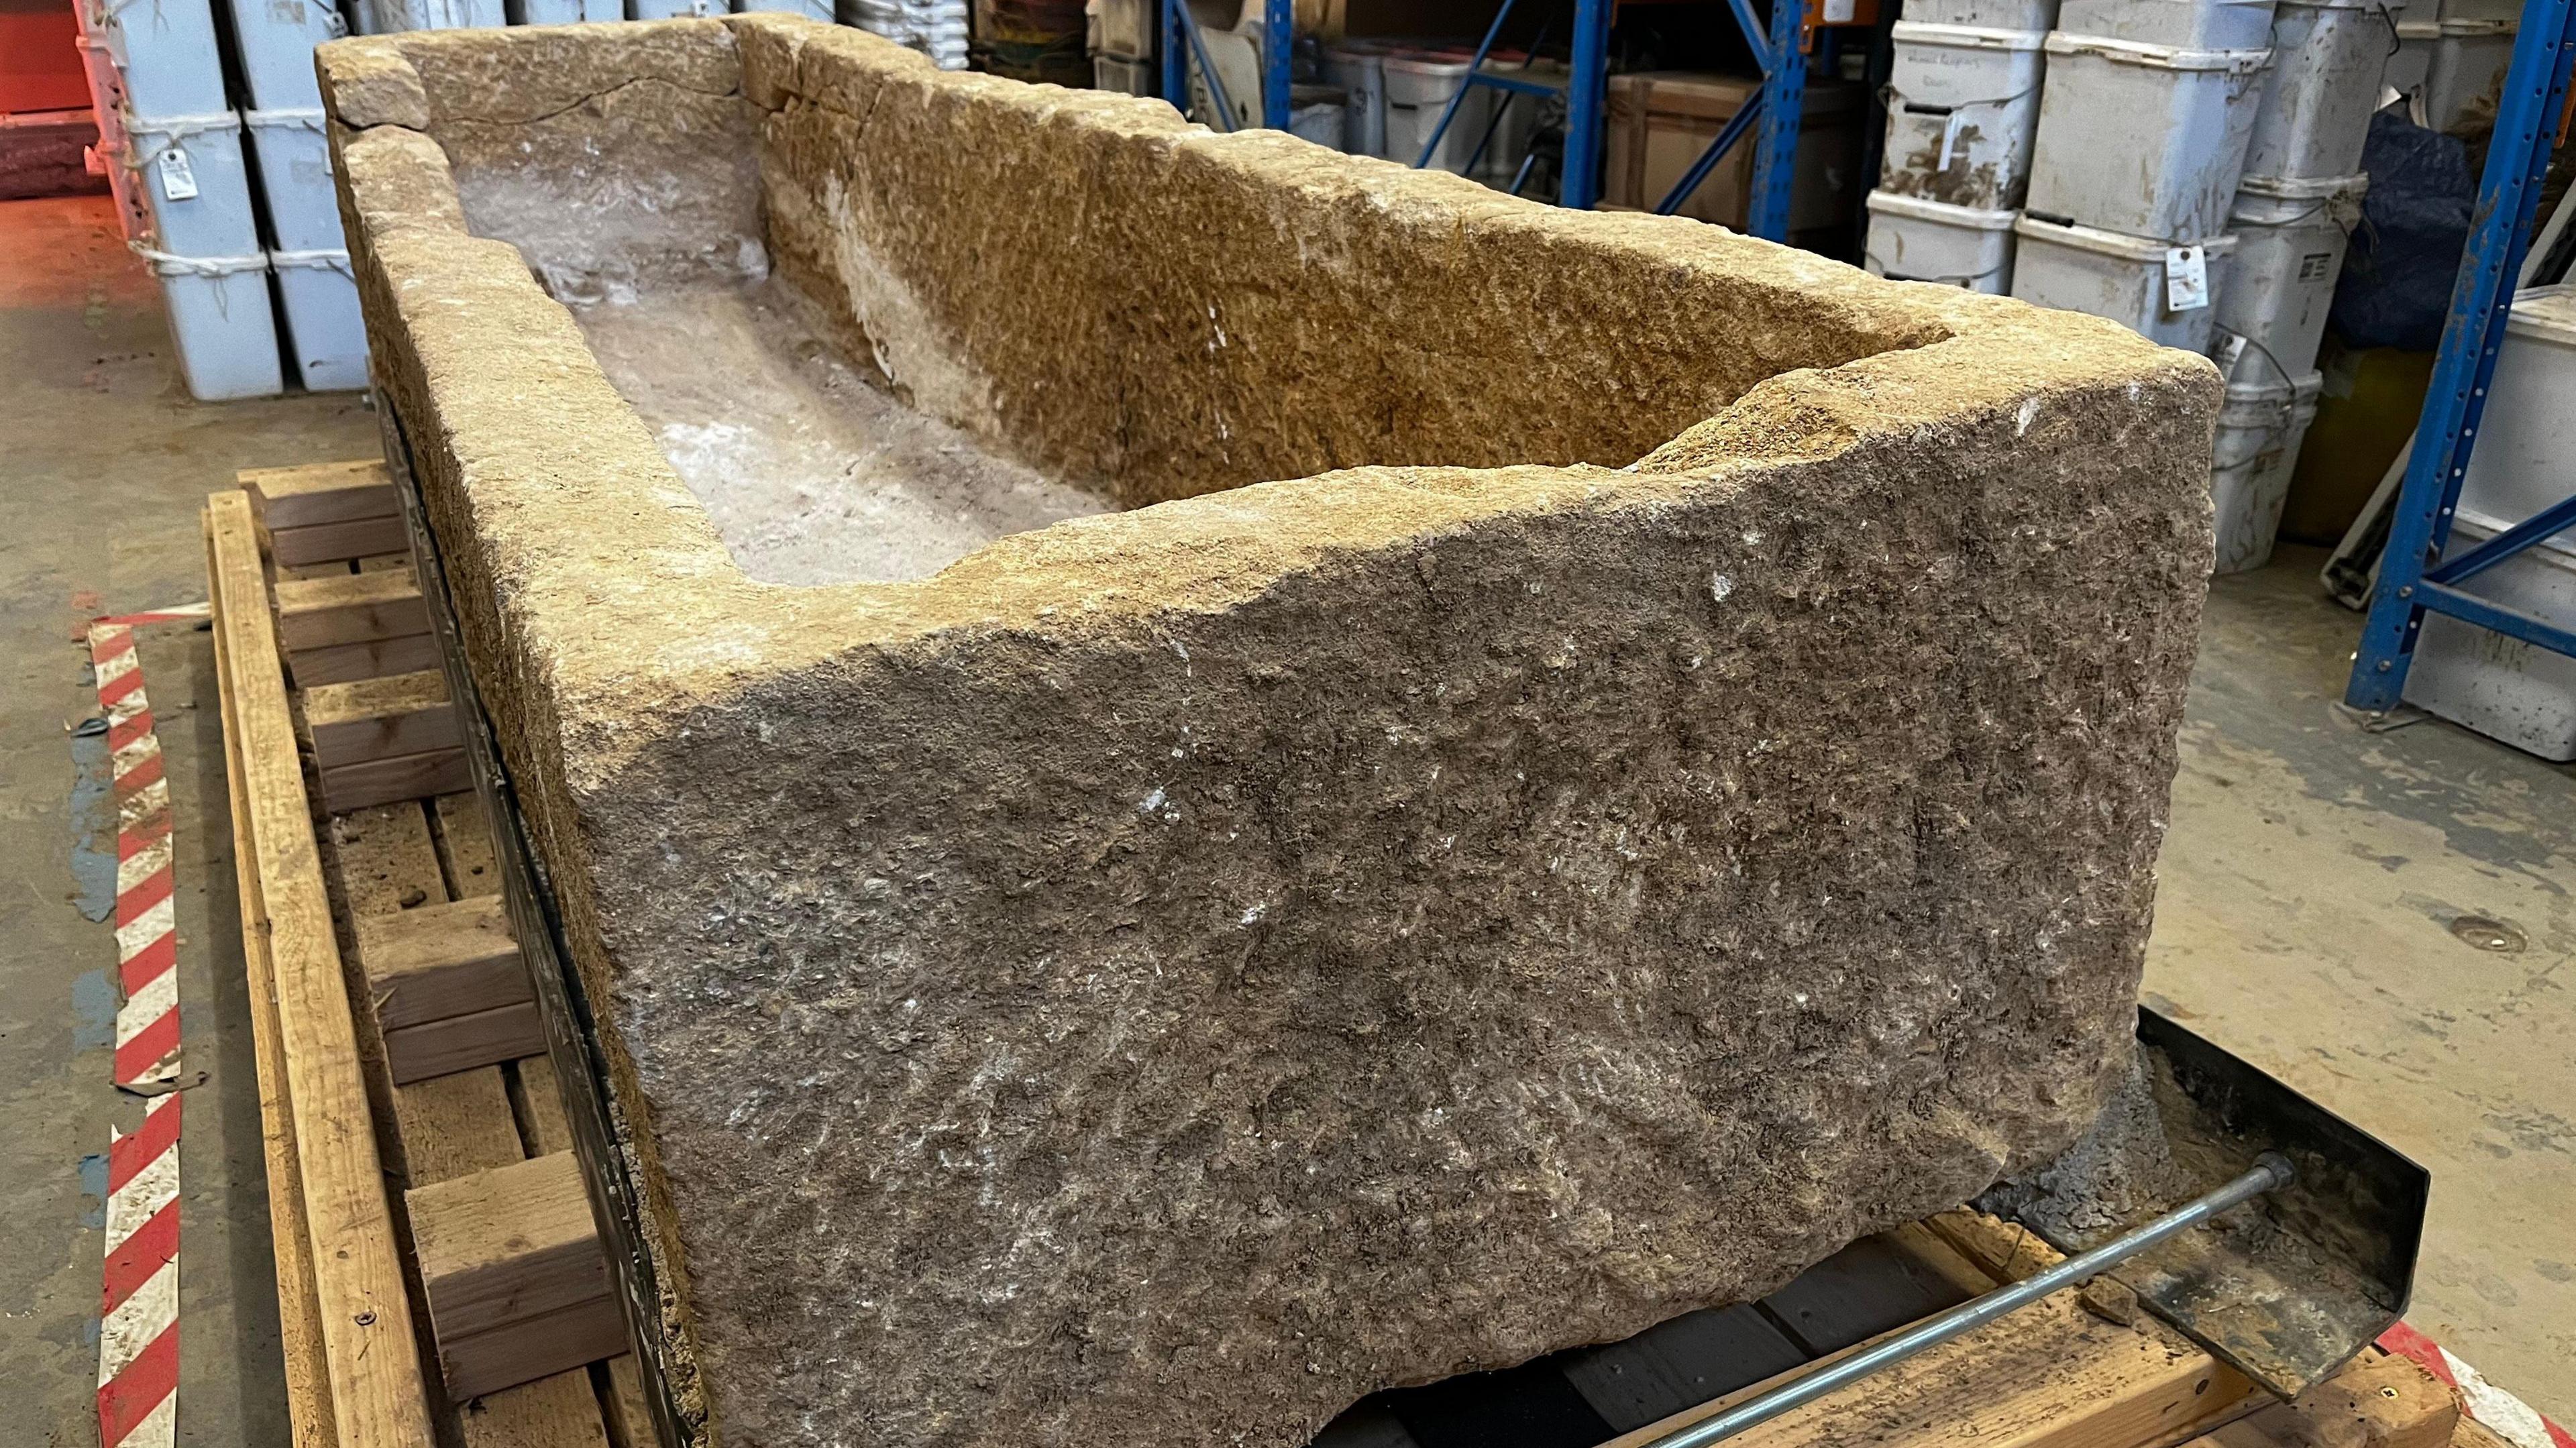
{"type": "Point", "coordinates": [2286, 1289]}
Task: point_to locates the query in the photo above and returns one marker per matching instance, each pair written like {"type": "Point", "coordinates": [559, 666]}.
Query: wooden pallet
{"type": "Point", "coordinates": [430, 1231]}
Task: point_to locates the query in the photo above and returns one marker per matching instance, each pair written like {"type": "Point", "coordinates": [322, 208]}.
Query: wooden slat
{"type": "Point", "coordinates": [437, 961]}
{"type": "Point", "coordinates": [377, 1393]}
{"type": "Point", "coordinates": [630, 1422]}
{"type": "Point", "coordinates": [313, 493]}
{"type": "Point", "coordinates": [461, 1043]}
{"type": "Point", "coordinates": [348, 608]}
{"type": "Point", "coordinates": [299, 1313]}
{"type": "Point", "coordinates": [512, 1267]}
{"type": "Point", "coordinates": [380, 718]}
{"type": "Point", "coordinates": [332, 542]}
{"type": "Point", "coordinates": [404, 776]}
{"type": "Point", "coordinates": [341, 663]}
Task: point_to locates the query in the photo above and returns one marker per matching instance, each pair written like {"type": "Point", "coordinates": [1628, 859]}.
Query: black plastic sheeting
{"type": "Point", "coordinates": [2396, 285]}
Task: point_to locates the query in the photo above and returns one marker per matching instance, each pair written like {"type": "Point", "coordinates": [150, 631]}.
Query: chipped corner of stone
{"type": "Point", "coordinates": [369, 81]}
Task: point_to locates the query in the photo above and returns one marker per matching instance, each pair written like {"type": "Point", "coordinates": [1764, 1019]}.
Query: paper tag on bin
{"type": "Point", "coordinates": [2186, 278]}
{"type": "Point", "coordinates": [178, 178]}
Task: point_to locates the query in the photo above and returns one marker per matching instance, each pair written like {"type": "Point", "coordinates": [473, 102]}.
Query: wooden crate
{"type": "Point", "coordinates": [366, 924]}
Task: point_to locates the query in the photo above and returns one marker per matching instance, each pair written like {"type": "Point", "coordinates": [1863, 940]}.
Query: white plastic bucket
{"type": "Point", "coordinates": [324, 327]}
{"type": "Point", "coordinates": [1962, 109]}
{"type": "Point", "coordinates": [2146, 140]}
{"type": "Point", "coordinates": [388, 17]}
{"type": "Point", "coordinates": [2040, 15]}
{"type": "Point", "coordinates": [1360, 69]}
{"type": "Point", "coordinates": [566, 12]}
{"type": "Point", "coordinates": [2253, 453]}
{"type": "Point", "coordinates": [2105, 274]}
{"type": "Point", "coordinates": [2527, 435]}
{"type": "Point", "coordinates": [2488, 10]}
{"type": "Point", "coordinates": [2290, 238]}
{"type": "Point", "coordinates": [2503, 688]}
{"type": "Point", "coordinates": [164, 53]}
{"type": "Point", "coordinates": [2188, 24]}
{"type": "Point", "coordinates": [295, 177]}
{"type": "Point", "coordinates": [2467, 66]}
{"type": "Point", "coordinates": [2326, 68]}
{"type": "Point", "coordinates": [276, 39]}
{"type": "Point", "coordinates": [2412, 61]}
{"type": "Point", "coordinates": [1914, 240]}
{"type": "Point", "coordinates": [220, 319]}
{"type": "Point", "coordinates": [1126, 77]}
{"type": "Point", "coordinates": [190, 171]}
{"type": "Point", "coordinates": [1418, 88]}
{"type": "Point", "coordinates": [810, 9]}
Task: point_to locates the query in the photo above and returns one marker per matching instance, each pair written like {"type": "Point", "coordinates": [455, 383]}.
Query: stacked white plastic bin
{"type": "Point", "coordinates": [2452, 62]}
{"type": "Point", "coordinates": [2299, 201]}
{"type": "Point", "coordinates": [2142, 137]}
{"type": "Point", "coordinates": [317, 292]}
{"type": "Point", "coordinates": [1963, 105]}
{"type": "Point", "coordinates": [1120, 36]}
{"type": "Point", "coordinates": [936, 28]}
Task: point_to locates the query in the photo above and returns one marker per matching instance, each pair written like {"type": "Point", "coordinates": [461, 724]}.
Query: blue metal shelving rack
{"type": "Point", "coordinates": [2415, 576]}
{"type": "Point", "coordinates": [1779, 51]}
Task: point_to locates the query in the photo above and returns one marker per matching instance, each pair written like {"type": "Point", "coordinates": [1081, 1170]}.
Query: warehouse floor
{"type": "Point", "coordinates": [2311, 882]}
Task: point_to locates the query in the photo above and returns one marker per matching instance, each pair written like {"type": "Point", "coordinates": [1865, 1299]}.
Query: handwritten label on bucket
{"type": "Point", "coordinates": [2186, 278]}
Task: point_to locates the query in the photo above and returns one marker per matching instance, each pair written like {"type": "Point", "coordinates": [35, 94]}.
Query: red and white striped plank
{"type": "Point", "coordinates": [175, 613]}
{"type": "Point", "coordinates": [2513, 1420]}
{"type": "Point", "coordinates": [138, 1333]}
{"type": "Point", "coordinates": [147, 1024]}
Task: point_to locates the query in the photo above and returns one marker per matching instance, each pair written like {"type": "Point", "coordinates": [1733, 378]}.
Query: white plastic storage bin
{"type": "Point", "coordinates": [2290, 238]}
{"type": "Point", "coordinates": [388, 17]}
{"type": "Point", "coordinates": [1118, 73]}
{"type": "Point", "coordinates": [2040, 15]}
{"type": "Point", "coordinates": [163, 52]}
{"type": "Point", "coordinates": [563, 12]}
{"type": "Point", "coordinates": [2326, 66]}
{"type": "Point", "coordinates": [2503, 688]}
{"type": "Point", "coordinates": [2477, 10]}
{"type": "Point", "coordinates": [2124, 278]}
{"type": "Point", "coordinates": [1122, 28]}
{"type": "Point", "coordinates": [2146, 140]}
{"type": "Point", "coordinates": [324, 327]}
{"type": "Point", "coordinates": [1359, 68]}
{"type": "Point", "coordinates": [2185, 24]}
{"type": "Point", "coordinates": [810, 9]}
{"type": "Point", "coordinates": [2525, 459]}
{"type": "Point", "coordinates": [191, 173]}
{"type": "Point", "coordinates": [276, 39]}
{"type": "Point", "coordinates": [1914, 240]}
{"type": "Point", "coordinates": [2252, 457]}
{"type": "Point", "coordinates": [2467, 66]}
{"type": "Point", "coordinates": [1418, 88]}
{"type": "Point", "coordinates": [295, 177]}
{"type": "Point", "coordinates": [219, 317]}
{"type": "Point", "coordinates": [1962, 109]}
{"type": "Point", "coordinates": [2412, 59]}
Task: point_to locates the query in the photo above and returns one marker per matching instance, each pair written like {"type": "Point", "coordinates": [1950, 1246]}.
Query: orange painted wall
{"type": "Point", "coordinates": [40, 69]}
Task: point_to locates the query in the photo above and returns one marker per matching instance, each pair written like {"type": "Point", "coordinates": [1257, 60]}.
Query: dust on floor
{"type": "Point", "coordinates": [812, 473]}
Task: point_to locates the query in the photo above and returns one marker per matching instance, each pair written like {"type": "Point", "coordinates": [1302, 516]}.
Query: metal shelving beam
{"type": "Point", "coordinates": [2414, 577]}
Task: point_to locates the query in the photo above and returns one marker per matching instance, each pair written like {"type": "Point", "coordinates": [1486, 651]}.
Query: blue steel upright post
{"type": "Point", "coordinates": [1176, 65]}
{"type": "Point", "coordinates": [1278, 37]}
{"type": "Point", "coordinates": [2413, 575]}
{"type": "Point", "coordinates": [1784, 101]}
{"type": "Point", "coordinates": [1586, 97]}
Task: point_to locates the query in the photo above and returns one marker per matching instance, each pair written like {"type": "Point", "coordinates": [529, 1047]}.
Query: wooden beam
{"type": "Point", "coordinates": [338, 542]}
{"type": "Point", "coordinates": [511, 1265]}
{"type": "Point", "coordinates": [404, 776]}
{"type": "Point", "coordinates": [348, 608]}
{"type": "Point", "coordinates": [377, 1393]}
{"type": "Point", "coordinates": [301, 497]}
{"type": "Point", "coordinates": [2380, 1401]}
{"type": "Point", "coordinates": [437, 961]}
{"type": "Point", "coordinates": [461, 1043]}
{"type": "Point", "coordinates": [345, 663]}
{"type": "Point", "coordinates": [367, 719]}
{"type": "Point", "coordinates": [299, 1314]}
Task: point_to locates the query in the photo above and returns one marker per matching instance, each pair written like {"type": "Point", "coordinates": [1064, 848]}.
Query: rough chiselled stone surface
{"type": "Point", "coordinates": [1668, 784]}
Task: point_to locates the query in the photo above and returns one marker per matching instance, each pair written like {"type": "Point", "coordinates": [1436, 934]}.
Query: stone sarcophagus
{"type": "Point", "coordinates": [1188, 777]}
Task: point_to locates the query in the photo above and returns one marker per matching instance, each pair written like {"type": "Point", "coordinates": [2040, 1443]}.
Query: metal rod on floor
{"type": "Point", "coordinates": [2271, 1169]}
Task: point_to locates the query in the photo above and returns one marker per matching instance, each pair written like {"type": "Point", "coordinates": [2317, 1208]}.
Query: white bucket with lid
{"type": "Point", "coordinates": [2503, 688]}
{"type": "Point", "coordinates": [2527, 436]}
{"type": "Point", "coordinates": [388, 17]}
{"type": "Point", "coordinates": [1359, 67]}
{"type": "Point", "coordinates": [2290, 239]}
{"type": "Point", "coordinates": [276, 40]}
{"type": "Point", "coordinates": [1914, 240]}
{"type": "Point", "coordinates": [163, 52]}
{"type": "Point", "coordinates": [324, 326]}
{"type": "Point", "coordinates": [220, 320]}
{"type": "Point", "coordinates": [2467, 68]}
{"type": "Point", "coordinates": [580, 12]}
{"type": "Point", "coordinates": [191, 174]}
{"type": "Point", "coordinates": [2145, 140]}
{"type": "Point", "coordinates": [2326, 69]}
{"type": "Point", "coordinates": [2190, 24]}
{"type": "Point", "coordinates": [1962, 109]}
{"type": "Point", "coordinates": [2252, 456]}
{"type": "Point", "coordinates": [2039, 15]}
{"type": "Point", "coordinates": [295, 175]}
{"type": "Point", "coordinates": [2106, 274]}
{"type": "Point", "coordinates": [1418, 88]}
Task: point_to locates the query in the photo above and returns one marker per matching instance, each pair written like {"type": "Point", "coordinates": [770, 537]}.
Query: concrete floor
{"type": "Point", "coordinates": [2311, 877]}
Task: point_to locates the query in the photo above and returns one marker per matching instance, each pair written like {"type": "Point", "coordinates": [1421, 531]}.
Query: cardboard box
{"type": "Point", "coordinates": [1661, 120]}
